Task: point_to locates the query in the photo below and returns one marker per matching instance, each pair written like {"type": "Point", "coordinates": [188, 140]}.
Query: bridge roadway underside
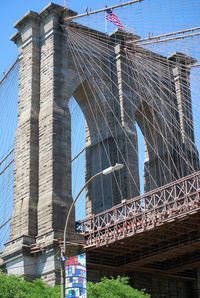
{"type": "Point", "coordinates": [169, 250]}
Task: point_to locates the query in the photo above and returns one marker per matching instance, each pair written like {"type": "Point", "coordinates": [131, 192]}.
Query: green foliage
{"type": "Point", "coordinates": [12, 286]}
{"type": "Point", "coordinates": [113, 288]}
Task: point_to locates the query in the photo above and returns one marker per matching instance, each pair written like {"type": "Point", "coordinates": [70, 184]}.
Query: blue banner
{"type": "Point", "coordinates": [75, 276]}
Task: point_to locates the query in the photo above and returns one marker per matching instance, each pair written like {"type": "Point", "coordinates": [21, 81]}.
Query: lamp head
{"type": "Point", "coordinates": [116, 167]}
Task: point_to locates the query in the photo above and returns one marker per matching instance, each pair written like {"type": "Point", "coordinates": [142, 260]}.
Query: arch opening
{"type": "Point", "coordinates": [77, 163]}
{"type": "Point", "coordinates": [159, 164]}
{"type": "Point", "coordinates": [100, 150]}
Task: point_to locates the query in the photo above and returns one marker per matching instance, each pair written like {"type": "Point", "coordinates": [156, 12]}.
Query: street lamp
{"type": "Point", "coordinates": [107, 171]}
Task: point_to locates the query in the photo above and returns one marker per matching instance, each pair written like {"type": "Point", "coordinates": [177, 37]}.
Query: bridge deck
{"type": "Point", "coordinates": [156, 232]}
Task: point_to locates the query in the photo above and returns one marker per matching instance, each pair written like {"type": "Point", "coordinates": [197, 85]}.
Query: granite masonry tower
{"type": "Point", "coordinates": [48, 79]}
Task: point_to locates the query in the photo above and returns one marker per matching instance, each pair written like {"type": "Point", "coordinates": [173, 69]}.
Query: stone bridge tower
{"type": "Point", "coordinates": [48, 78]}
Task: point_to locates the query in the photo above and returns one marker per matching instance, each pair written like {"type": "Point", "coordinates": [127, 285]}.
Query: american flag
{"type": "Point", "coordinates": [110, 16]}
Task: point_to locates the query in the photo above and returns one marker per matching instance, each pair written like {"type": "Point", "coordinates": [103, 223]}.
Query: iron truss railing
{"type": "Point", "coordinates": [164, 204]}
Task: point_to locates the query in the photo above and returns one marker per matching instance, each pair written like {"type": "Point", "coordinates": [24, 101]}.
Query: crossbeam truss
{"type": "Point", "coordinates": [155, 208]}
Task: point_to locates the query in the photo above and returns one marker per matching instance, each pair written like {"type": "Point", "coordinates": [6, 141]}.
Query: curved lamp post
{"type": "Point", "coordinates": [107, 171]}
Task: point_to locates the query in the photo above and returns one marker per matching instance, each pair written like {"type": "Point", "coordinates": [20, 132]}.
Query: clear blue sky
{"type": "Point", "coordinates": [157, 16]}
{"type": "Point", "coordinates": [12, 11]}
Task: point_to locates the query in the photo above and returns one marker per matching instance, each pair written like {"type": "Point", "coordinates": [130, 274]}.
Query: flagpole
{"type": "Point", "coordinates": [106, 24]}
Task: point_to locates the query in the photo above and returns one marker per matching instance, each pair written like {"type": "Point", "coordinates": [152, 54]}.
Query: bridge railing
{"type": "Point", "coordinates": [144, 212]}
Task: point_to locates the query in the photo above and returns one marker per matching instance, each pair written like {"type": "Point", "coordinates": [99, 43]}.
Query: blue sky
{"type": "Point", "coordinates": [12, 11]}
{"type": "Point", "coordinates": [156, 16]}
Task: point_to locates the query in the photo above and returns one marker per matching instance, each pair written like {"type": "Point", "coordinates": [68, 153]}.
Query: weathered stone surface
{"type": "Point", "coordinates": [48, 77]}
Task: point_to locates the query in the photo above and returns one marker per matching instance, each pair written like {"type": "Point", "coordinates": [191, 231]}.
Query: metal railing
{"type": "Point", "coordinates": [136, 215]}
